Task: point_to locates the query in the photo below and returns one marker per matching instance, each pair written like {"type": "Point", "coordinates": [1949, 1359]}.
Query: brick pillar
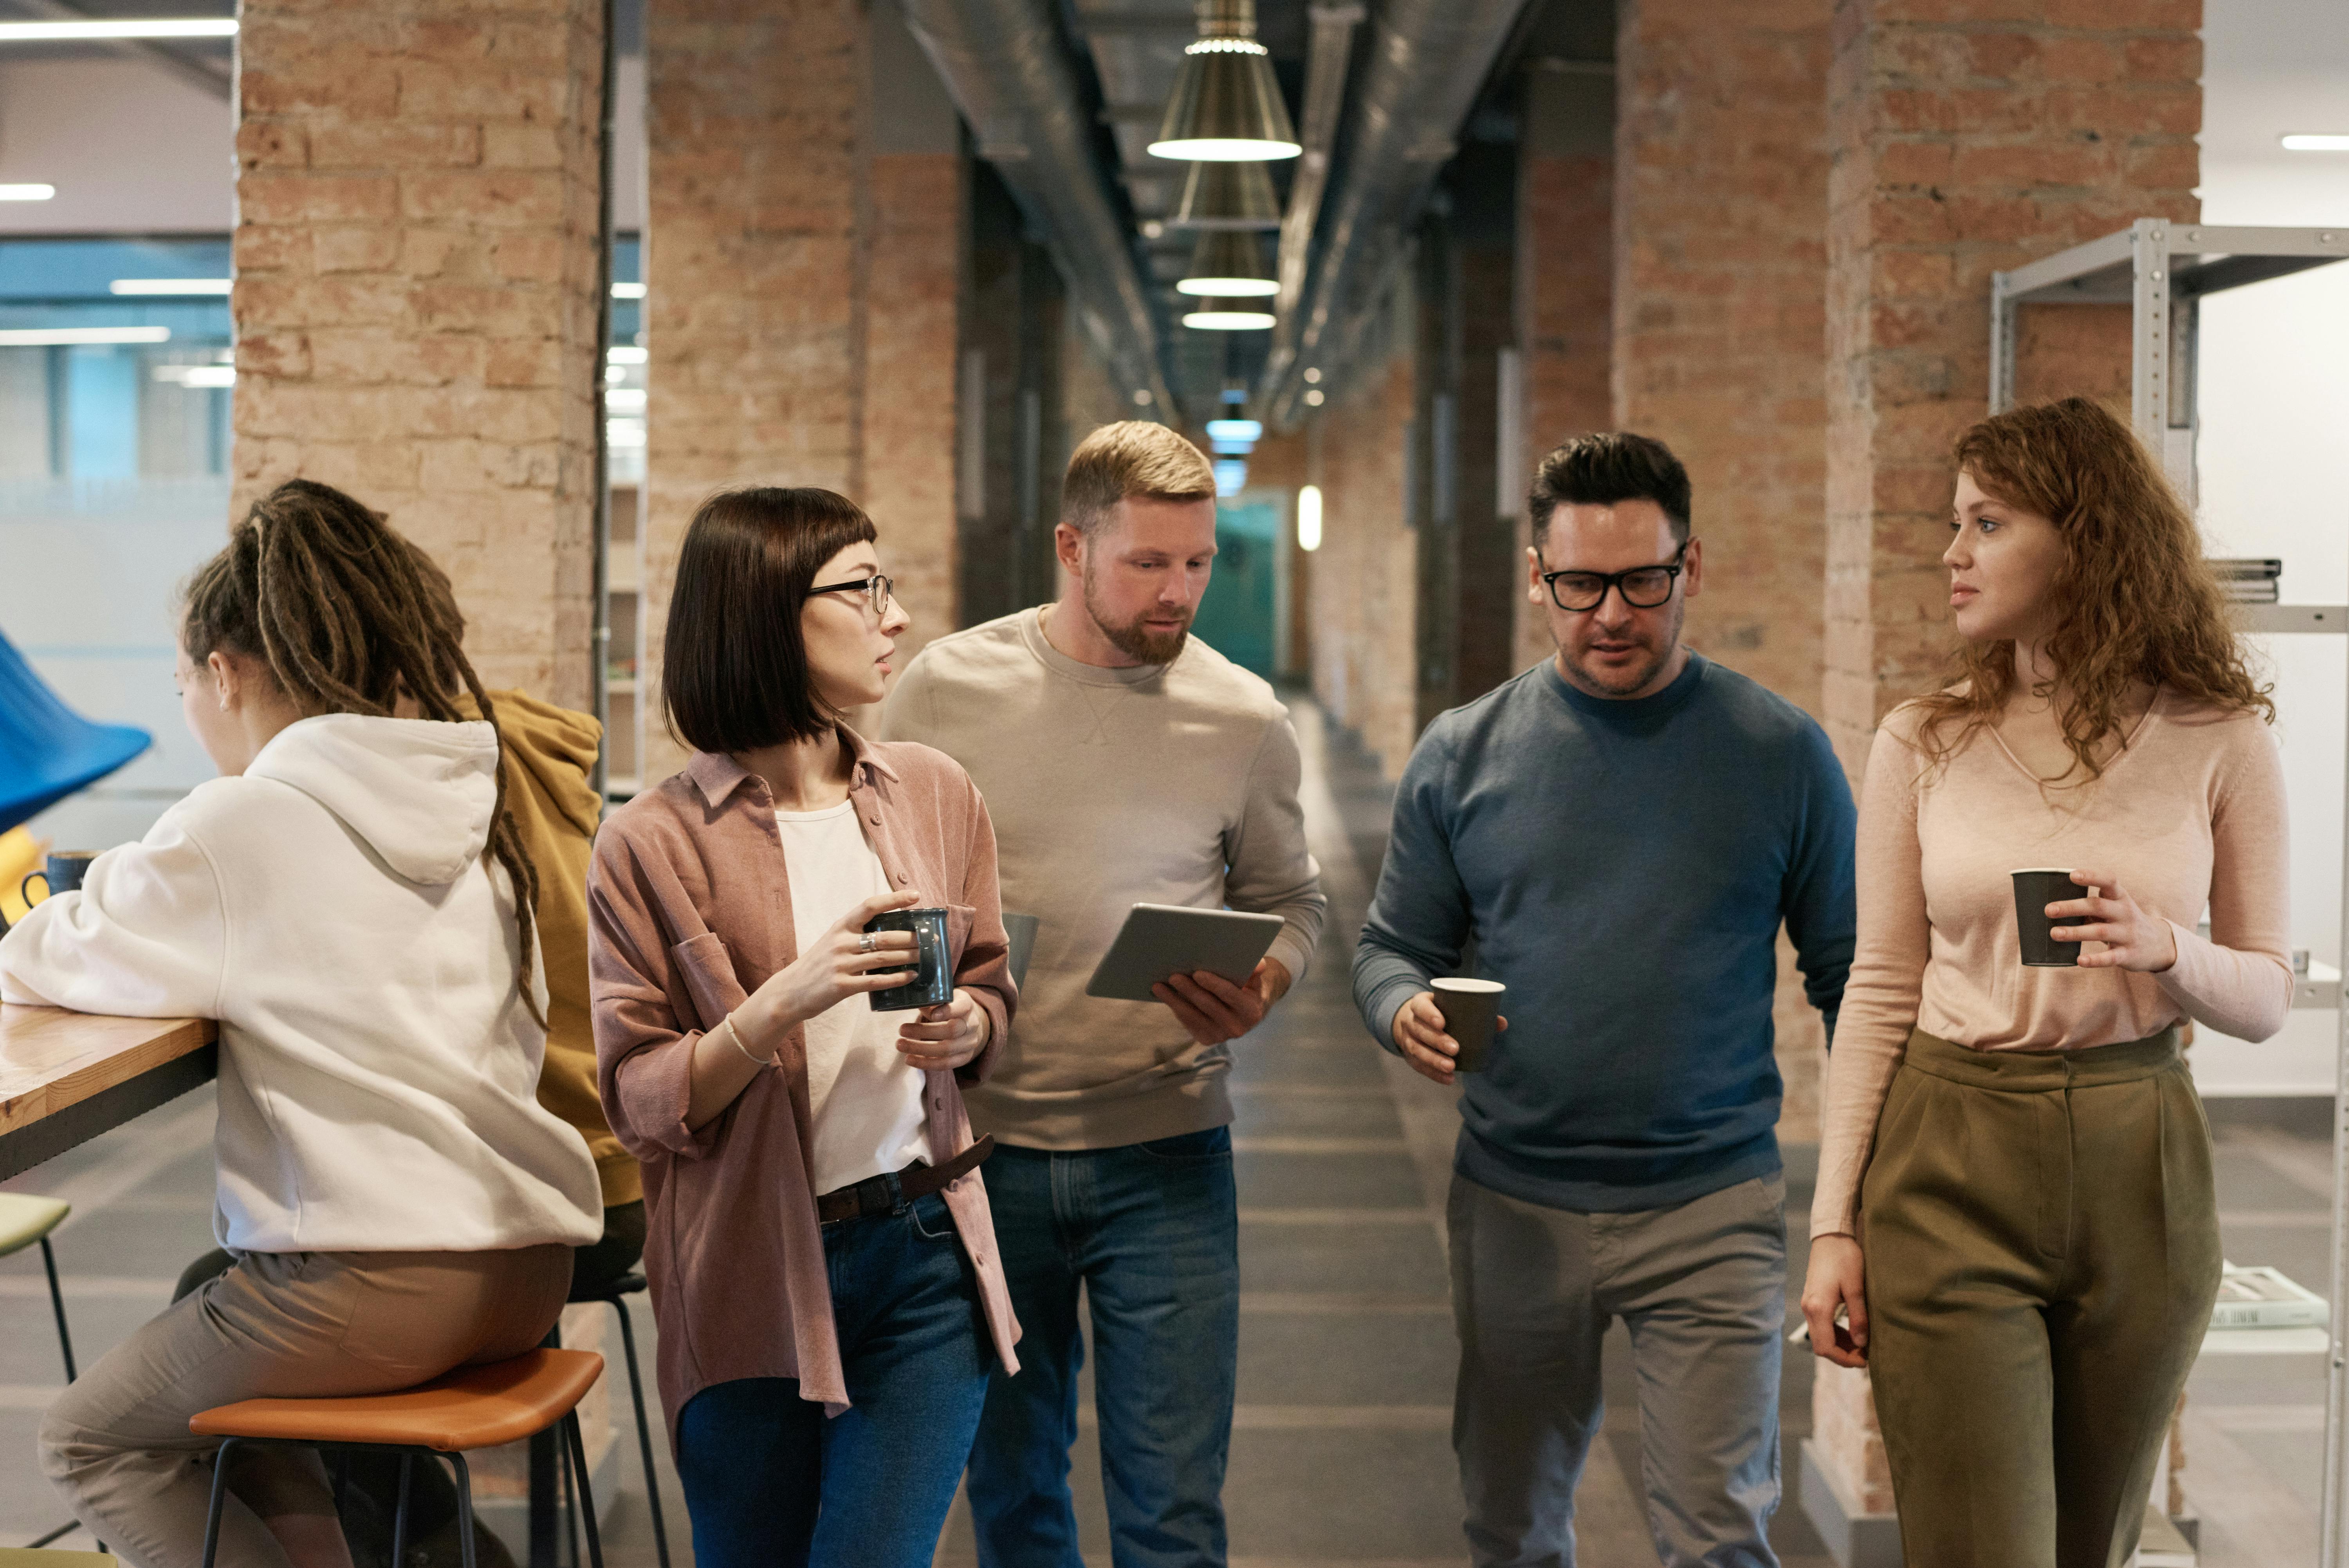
{"type": "Point", "coordinates": [1566, 263]}
{"type": "Point", "coordinates": [1720, 301]}
{"type": "Point", "coordinates": [757, 261]}
{"type": "Point", "coordinates": [1968, 140]}
{"type": "Point", "coordinates": [918, 185]}
{"type": "Point", "coordinates": [415, 304]}
{"type": "Point", "coordinates": [1363, 587]}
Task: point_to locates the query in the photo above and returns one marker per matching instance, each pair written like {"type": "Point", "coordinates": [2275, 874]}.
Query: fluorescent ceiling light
{"type": "Point", "coordinates": [27, 193]}
{"type": "Point", "coordinates": [196, 375]}
{"type": "Point", "coordinates": [627, 291]}
{"type": "Point", "coordinates": [57, 336]}
{"type": "Point", "coordinates": [117, 28]}
{"type": "Point", "coordinates": [169, 285]}
{"type": "Point", "coordinates": [625, 399]}
{"type": "Point", "coordinates": [1234, 430]}
{"type": "Point", "coordinates": [627, 356]}
{"type": "Point", "coordinates": [1308, 518]}
{"type": "Point", "coordinates": [1227, 316]}
{"type": "Point", "coordinates": [2316, 143]}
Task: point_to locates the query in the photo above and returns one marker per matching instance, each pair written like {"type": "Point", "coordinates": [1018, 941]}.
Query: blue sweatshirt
{"type": "Point", "coordinates": [1622, 867]}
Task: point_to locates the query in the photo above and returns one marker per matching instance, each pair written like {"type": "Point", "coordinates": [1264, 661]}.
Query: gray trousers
{"type": "Point", "coordinates": [1702, 1288]}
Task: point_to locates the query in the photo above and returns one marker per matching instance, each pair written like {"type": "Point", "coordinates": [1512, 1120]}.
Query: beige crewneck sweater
{"type": "Point", "coordinates": [2192, 812]}
{"type": "Point", "coordinates": [1171, 783]}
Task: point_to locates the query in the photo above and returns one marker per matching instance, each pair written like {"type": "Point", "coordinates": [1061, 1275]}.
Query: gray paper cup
{"type": "Point", "coordinates": [2034, 889]}
{"type": "Point", "coordinates": [1470, 1009]}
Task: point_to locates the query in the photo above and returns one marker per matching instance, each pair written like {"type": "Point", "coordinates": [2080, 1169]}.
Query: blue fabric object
{"type": "Point", "coordinates": [1622, 867]}
{"type": "Point", "coordinates": [1152, 1232]}
{"type": "Point", "coordinates": [771, 1482]}
{"type": "Point", "coordinates": [47, 749]}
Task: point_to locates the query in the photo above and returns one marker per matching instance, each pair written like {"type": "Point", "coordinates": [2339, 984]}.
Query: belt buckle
{"type": "Point", "coordinates": [872, 1196]}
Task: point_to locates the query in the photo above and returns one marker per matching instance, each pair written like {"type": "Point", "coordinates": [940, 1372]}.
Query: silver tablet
{"type": "Point", "coordinates": [1162, 939]}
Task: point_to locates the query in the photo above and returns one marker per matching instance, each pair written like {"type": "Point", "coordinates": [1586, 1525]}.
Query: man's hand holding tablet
{"type": "Point", "coordinates": [1214, 1010]}
{"type": "Point", "coordinates": [1209, 966]}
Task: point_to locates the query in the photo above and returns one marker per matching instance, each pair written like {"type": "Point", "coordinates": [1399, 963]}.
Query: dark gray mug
{"type": "Point", "coordinates": [61, 872]}
{"type": "Point", "coordinates": [932, 984]}
{"type": "Point", "coordinates": [2034, 890]}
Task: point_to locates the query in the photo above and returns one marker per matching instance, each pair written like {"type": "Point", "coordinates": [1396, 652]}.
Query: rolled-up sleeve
{"type": "Point", "coordinates": [986, 966]}
{"type": "Point", "coordinates": [643, 1049]}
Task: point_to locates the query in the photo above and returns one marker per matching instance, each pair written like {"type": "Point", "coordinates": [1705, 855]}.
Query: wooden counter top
{"type": "Point", "coordinates": [66, 1076]}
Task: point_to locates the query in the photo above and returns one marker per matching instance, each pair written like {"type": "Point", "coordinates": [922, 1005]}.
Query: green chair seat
{"type": "Point", "coordinates": [25, 1219]}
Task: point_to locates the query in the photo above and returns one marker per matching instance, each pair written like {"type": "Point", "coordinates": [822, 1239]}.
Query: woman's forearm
{"type": "Point", "coordinates": [724, 1063]}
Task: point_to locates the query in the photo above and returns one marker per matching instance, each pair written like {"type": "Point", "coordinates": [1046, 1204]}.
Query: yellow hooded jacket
{"type": "Point", "coordinates": [550, 756]}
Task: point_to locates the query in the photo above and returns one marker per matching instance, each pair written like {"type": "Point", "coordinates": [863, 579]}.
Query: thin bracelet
{"type": "Point", "coordinates": [735, 1037]}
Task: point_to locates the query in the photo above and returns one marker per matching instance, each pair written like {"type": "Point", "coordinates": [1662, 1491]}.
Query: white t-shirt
{"type": "Point", "coordinates": [866, 1098]}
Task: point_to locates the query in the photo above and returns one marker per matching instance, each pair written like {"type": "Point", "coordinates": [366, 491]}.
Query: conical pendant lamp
{"type": "Point", "coordinates": [1226, 105]}
{"type": "Point", "coordinates": [1229, 195]}
{"type": "Point", "coordinates": [1227, 264]}
{"type": "Point", "coordinates": [1228, 316]}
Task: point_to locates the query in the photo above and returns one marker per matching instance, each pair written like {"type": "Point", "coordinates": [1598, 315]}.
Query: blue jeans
{"type": "Point", "coordinates": [769, 1481]}
{"type": "Point", "coordinates": [1152, 1232]}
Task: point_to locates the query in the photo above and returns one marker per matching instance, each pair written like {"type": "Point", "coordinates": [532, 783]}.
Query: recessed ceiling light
{"type": "Point", "coordinates": [627, 291]}
{"type": "Point", "coordinates": [27, 193]}
{"type": "Point", "coordinates": [117, 28]}
{"type": "Point", "coordinates": [1313, 398]}
{"type": "Point", "coordinates": [59, 336]}
{"type": "Point", "coordinates": [625, 399]}
{"type": "Point", "coordinates": [624, 355]}
{"type": "Point", "coordinates": [169, 285]}
{"type": "Point", "coordinates": [2316, 143]}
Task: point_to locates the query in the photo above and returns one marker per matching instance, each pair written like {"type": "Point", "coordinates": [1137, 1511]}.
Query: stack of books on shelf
{"type": "Point", "coordinates": [2264, 1298]}
{"type": "Point", "coordinates": [2249, 582]}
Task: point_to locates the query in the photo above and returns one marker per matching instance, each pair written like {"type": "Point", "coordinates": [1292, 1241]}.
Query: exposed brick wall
{"type": "Point", "coordinates": [1363, 591]}
{"type": "Point", "coordinates": [415, 304]}
{"type": "Point", "coordinates": [756, 263]}
{"type": "Point", "coordinates": [909, 470]}
{"type": "Point", "coordinates": [1564, 286]}
{"type": "Point", "coordinates": [1969, 136]}
{"type": "Point", "coordinates": [1719, 299]}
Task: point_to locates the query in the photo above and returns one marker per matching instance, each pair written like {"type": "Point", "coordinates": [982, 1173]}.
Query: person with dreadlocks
{"type": "Point", "coordinates": [352, 901]}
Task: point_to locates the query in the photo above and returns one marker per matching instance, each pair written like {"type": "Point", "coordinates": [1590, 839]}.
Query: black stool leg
{"type": "Point", "coordinates": [58, 1304]}
{"type": "Point", "coordinates": [220, 1488]}
{"type": "Point", "coordinates": [586, 1489]}
{"type": "Point", "coordinates": [464, 1506]}
{"type": "Point", "coordinates": [570, 1509]}
{"type": "Point", "coordinates": [400, 1512]}
{"type": "Point", "coordinates": [644, 1432]}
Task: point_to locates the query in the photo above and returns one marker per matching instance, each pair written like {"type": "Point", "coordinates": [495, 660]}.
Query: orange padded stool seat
{"type": "Point", "coordinates": [472, 1407]}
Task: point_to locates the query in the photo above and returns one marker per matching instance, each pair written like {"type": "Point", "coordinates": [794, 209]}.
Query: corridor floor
{"type": "Point", "coordinates": [1341, 1454]}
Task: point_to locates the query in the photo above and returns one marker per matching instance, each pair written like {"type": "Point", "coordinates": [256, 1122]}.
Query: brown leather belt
{"type": "Point", "coordinates": [883, 1194]}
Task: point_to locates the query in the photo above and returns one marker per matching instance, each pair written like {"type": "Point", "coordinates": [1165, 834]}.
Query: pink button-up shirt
{"type": "Point", "coordinates": [690, 910]}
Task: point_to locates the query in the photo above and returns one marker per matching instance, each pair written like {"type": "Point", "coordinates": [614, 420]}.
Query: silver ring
{"type": "Point", "coordinates": [865, 942]}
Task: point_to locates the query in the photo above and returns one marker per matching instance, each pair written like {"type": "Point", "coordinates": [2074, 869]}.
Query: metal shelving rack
{"type": "Point", "coordinates": [2162, 271]}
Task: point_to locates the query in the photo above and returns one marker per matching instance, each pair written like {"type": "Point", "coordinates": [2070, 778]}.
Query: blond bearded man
{"type": "Point", "coordinates": [1123, 762]}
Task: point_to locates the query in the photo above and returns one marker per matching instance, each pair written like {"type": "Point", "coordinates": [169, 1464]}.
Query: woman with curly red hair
{"type": "Point", "coordinates": [2014, 1226]}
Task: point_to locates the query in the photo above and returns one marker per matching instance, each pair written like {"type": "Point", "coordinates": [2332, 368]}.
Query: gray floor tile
{"type": "Point", "coordinates": [1389, 1259]}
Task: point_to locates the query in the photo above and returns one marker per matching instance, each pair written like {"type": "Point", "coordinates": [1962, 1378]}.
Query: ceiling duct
{"type": "Point", "coordinates": [1428, 60]}
{"type": "Point", "coordinates": [1007, 68]}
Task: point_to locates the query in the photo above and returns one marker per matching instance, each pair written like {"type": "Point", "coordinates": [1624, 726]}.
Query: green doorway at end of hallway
{"type": "Point", "coordinates": [1239, 618]}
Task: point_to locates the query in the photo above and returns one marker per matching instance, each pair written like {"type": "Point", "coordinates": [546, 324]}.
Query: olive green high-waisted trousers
{"type": "Point", "coordinates": [2042, 1240]}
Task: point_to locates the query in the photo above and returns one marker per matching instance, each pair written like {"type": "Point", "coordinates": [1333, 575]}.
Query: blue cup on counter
{"type": "Point", "coordinates": [932, 977]}
{"type": "Point", "coordinates": [60, 873]}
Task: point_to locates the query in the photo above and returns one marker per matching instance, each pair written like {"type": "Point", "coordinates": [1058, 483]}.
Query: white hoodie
{"type": "Point", "coordinates": [378, 1068]}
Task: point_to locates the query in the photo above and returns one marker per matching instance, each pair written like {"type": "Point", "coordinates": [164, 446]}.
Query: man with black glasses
{"type": "Point", "coordinates": [1621, 830]}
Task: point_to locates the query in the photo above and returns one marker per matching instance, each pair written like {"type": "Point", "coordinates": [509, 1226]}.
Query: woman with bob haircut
{"type": "Point", "coordinates": [822, 1260]}
{"type": "Point", "coordinates": [2015, 1219]}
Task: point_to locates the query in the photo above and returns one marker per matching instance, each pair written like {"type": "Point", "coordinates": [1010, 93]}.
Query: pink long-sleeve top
{"type": "Point", "coordinates": [690, 910]}
{"type": "Point", "coordinates": [2190, 812]}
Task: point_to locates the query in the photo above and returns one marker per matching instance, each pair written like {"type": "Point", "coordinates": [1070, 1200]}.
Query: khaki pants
{"type": "Point", "coordinates": [1702, 1289]}
{"type": "Point", "coordinates": [279, 1324]}
{"type": "Point", "coordinates": [2041, 1238]}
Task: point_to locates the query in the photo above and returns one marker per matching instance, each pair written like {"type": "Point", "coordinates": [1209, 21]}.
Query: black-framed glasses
{"type": "Point", "coordinates": [875, 590]}
{"type": "Point", "coordinates": [1642, 588]}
